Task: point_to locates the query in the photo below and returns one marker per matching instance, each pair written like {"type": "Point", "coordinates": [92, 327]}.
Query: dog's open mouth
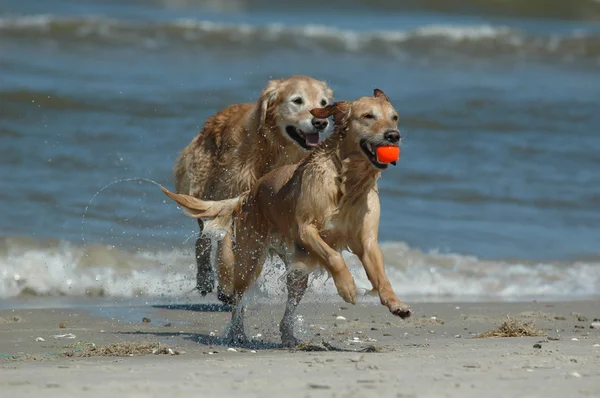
{"type": "Point", "coordinates": [305, 140]}
{"type": "Point", "coordinates": [371, 151]}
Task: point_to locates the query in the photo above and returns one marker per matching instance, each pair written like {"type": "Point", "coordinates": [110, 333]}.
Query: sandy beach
{"type": "Point", "coordinates": [349, 352]}
{"type": "Point", "coordinates": [494, 202]}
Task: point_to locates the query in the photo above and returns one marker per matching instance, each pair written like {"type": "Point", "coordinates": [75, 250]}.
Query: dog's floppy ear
{"type": "Point", "coordinates": [266, 98]}
{"type": "Point", "coordinates": [377, 93]}
{"type": "Point", "coordinates": [339, 110]}
{"type": "Point", "coordinates": [325, 112]}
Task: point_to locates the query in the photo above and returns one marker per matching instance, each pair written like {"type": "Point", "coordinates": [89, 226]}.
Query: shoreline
{"type": "Point", "coordinates": [434, 353]}
{"type": "Point", "coordinates": [312, 296]}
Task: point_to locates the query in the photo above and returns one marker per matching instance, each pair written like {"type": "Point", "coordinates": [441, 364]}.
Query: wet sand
{"type": "Point", "coordinates": [67, 352]}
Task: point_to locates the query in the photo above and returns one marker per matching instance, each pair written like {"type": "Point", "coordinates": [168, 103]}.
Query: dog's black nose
{"type": "Point", "coordinates": [320, 124]}
{"type": "Point", "coordinates": [392, 136]}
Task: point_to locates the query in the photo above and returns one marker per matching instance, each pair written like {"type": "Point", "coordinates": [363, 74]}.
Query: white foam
{"type": "Point", "coordinates": [71, 270]}
{"type": "Point", "coordinates": [463, 32]}
{"type": "Point", "coordinates": [29, 21]}
{"type": "Point", "coordinates": [65, 269]}
{"type": "Point", "coordinates": [154, 34]}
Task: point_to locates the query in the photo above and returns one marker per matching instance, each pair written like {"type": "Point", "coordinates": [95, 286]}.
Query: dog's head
{"type": "Point", "coordinates": [286, 104]}
{"type": "Point", "coordinates": [368, 123]}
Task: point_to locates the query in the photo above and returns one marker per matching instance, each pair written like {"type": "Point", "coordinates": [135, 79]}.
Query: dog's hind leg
{"type": "Point", "coordinates": [237, 335]}
{"type": "Point", "coordinates": [297, 282]}
{"type": "Point", "coordinates": [226, 261]}
{"type": "Point", "coordinates": [205, 280]}
{"type": "Point", "coordinates": [245, 276]}
{"type": "Point", "coordinates": [250, 256]}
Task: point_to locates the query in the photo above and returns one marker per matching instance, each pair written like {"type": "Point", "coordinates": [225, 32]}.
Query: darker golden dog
{"type": "Point", "coordinates": [240, 144]}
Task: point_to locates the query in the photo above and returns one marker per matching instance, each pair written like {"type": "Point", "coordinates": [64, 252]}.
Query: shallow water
{"type": "Point", "coordinates": [497, 191]}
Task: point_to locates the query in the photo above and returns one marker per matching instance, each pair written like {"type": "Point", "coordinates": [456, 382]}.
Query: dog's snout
{"type": "Point", "coordinates": [320, 124]}
{"type": "Point", "coordinates": [392, 136]}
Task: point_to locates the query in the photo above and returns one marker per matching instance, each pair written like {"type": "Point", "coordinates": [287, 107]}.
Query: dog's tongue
{"type": "Point", "coordinates": [312, 139]}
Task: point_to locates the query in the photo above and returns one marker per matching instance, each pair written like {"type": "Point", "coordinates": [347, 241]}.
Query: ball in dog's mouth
{"type": "Point", "coordinates": [371, 151]}
{"type": "Point", "coordinates": [305, 140]}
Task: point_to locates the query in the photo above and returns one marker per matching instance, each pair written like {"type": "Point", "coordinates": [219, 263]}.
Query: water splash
{"type": "Point", "coordinates": [110, 184]}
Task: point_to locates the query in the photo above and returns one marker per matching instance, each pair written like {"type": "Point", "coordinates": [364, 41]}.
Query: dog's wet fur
{"type": "Point", "coordinates": [308, 212]}
{"type": "Point", "coordinates": [240, 144]}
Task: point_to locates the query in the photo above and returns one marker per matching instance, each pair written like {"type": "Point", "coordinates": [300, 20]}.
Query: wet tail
{"type": "Point", "coordinates": [217, 213]}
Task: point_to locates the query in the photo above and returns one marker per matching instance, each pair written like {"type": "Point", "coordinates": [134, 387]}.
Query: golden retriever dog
{"type": "Point", "coordinates": [310, 211]}
{"type": "Point", "coordinates": [240, 144]}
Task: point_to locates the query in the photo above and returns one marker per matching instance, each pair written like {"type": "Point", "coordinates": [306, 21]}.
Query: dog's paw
{"type": "Point", "coordinates": [225, 299]}
{"type": "Point", "coordinates": [289, 341]}
{"type": "Point", "coordinates": [237, 339]}
{"type": "Point", "coordinates": [400, 309]}
{"type": "Point", "coordinates": [205, 285]}
{"type": "Point", "coordinates": [347, 290]}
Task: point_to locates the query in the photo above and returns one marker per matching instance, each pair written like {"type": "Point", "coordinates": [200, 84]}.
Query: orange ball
{"type": "Point", "coordinates": [388, 154]}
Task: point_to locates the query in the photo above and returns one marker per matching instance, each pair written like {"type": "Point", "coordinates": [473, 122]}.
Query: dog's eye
{"type": "Point", "coordinates": [323, 102]}
{"type": "Point", "coordinates": [368, 116]}
{"type": "Point", "coordinates": [298, 101]}
{"type": "Point", "coordinates": [395, 118]}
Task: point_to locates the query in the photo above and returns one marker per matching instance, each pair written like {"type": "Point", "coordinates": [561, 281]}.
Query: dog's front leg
{"type": "Point", "coordinates": [371, 257]}
{"type": "Point", "coordinates": [308, 239]}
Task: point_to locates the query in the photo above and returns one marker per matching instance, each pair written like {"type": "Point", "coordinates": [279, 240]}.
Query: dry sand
{"type": "Point", "coordinates": [177, 352]}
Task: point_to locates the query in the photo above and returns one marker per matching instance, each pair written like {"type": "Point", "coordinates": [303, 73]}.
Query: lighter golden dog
{"type": "Point", "coordinates": [240, 144]}
{"type": "Point", "coordinates": [310, 211]}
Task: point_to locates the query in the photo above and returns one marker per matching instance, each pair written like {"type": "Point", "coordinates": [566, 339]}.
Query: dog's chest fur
{"type": "Point", "coordinates": [350, 185]}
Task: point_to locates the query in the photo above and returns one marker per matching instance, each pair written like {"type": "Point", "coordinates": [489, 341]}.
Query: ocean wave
{"type": "Point", "coordinates": [59, 268]}
{"type": "Point", "coordinates": [586, 10]}
{"type": "Point", "coordinates": [46, 99]}
{"type": "Point", "coordinates": [476, 40]}
{"type": "Point", "coordinates": [150, 107]}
